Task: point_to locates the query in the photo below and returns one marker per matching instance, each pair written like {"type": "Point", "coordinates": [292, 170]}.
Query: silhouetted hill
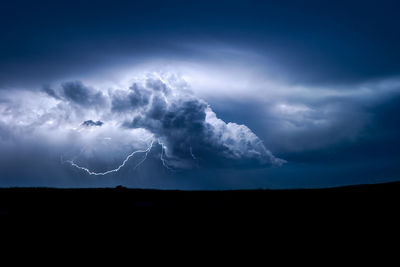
{"type": "Point", "coordinates": [377, 198]}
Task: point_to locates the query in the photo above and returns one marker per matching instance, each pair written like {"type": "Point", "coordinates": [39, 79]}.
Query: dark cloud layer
{"type": "Point", "coordinates": [190, 130]}
{"type": "Point", "coordinates": [137, 97]}
{"type": "Point", "coordinates": [305, 41]}
{"type": "Point", "coordinates": [77, 94]}
{"type": "Point", "coordinates": [84, 96]}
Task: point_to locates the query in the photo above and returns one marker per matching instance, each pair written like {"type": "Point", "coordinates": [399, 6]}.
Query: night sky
{"type": "Point", "coordinates": [199, 94]}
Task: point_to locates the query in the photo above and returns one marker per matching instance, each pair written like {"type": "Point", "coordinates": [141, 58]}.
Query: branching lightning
{"type": "Point", "coordinates": [146, 151]}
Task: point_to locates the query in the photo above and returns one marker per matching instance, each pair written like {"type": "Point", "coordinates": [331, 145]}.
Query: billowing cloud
{"type": "Point", "coordinates": [156, 113]}
{"type": "Point", "coordinates": [75, 92]}
{"type": "Point", "coordinates": [190, 129]}
{"type": "Point", "coordinates": [136, 97]}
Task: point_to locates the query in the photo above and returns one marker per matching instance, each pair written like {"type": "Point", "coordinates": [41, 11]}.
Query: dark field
{"type": "Point", "coordinates": [367, 200]}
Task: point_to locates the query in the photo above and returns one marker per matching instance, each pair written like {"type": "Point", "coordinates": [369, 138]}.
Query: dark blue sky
{"type": "Point", "coordinates": [316, 81]}
{"type": "Point", "coordinates": [341, 40]}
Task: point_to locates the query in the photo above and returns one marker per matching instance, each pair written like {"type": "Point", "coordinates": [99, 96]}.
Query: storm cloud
{"type": "Point", "coordinates": [75, 92]}
{"type": "Point", "coordinates": [224, 94]}
{"type": "Point", "coordinates": [158, 108]}
{"type": "Point", "coordinates": [190, 129]}
{"type": "Point", "coordinates": [331, 126]}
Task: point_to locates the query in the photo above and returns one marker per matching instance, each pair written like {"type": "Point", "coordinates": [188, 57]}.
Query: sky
{"type": "Point", "coordinates": [199, 95]}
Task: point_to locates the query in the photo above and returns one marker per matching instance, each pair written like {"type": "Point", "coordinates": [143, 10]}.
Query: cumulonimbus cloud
{"type": "Point", "coordinates": [188, 126]}
{"type": "Point", "coordinates": [165, 110]}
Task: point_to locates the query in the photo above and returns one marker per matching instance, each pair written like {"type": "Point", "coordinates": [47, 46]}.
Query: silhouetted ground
{"type": "Point", "coordinates": [374, 200]}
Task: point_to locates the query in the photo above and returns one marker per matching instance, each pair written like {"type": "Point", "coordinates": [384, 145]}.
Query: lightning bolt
{"type": "Point", "coordinates": [146, 151]}
{"type": "Point", "coordinates": [163, 147]}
